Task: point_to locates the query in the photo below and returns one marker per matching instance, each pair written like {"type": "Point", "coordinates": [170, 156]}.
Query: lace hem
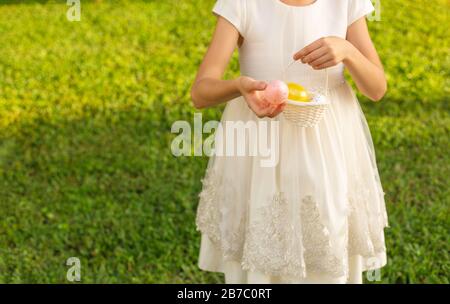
{"type": "Point", "coordinates": [284, 239]}
{"type": "Point", "coordinates": [273, 244]}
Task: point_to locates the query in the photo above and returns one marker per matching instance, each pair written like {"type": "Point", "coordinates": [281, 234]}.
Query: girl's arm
{"type": "Point", "coordinates": [209, 89]}
{"type": "Point", "coordinates": [358, 54]}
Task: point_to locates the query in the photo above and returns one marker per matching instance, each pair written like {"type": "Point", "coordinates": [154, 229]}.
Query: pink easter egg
{"type": "Point", "coordinates": [276, 92]}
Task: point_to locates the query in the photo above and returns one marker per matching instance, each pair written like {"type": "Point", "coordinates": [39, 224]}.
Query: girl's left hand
{"type": "Point", "coordinates": [324, 53]}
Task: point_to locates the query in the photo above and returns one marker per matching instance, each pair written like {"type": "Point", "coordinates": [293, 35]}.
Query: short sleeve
{"type": "Point", "coordinates": [358, 9]}
{"type": "Point", "coordinates": [233, 11]}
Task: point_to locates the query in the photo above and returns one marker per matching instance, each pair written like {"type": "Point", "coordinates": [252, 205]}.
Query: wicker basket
{"type": "Point", "coordinates": [308, 114]}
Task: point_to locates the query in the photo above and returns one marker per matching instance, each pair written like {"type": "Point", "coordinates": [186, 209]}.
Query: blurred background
{"type": "Point", "coordinates": [85, 163]}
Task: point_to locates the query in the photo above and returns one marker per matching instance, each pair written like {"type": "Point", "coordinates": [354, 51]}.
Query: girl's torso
{"type": "Point", "coordinates": [273, 31]}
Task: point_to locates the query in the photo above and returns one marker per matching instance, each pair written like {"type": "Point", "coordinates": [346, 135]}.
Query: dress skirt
{"type": "Point", "coordinates": [317, 216]}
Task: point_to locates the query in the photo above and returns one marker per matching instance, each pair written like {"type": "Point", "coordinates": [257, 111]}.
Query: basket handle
{"type": "Point", "coordinates": [326, 75]}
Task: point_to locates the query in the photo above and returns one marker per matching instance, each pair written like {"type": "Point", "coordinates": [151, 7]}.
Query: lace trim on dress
{"type": "Point", "coordinates": [280, 243]}
{"type": "Point", "coordinates": [209, 216]}
{"type": "Point", "coordinates": [318, 255]}
{"type": "Point", "coordinates": [366, 238]}
{"type": "Point", "coordinates": [273, 244]}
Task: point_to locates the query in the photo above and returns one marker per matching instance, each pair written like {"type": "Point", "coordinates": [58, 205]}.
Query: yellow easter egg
{"type": "Point", "coordinates": [298, 93]}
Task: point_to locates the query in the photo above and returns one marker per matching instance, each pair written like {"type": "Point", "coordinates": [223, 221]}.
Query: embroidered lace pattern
{"type": "Point", "coordinates": [318, 255]}
{"type": "Point", "coordinates": [273, 244]}
{"type": "Point", "coordinates": [277, 242]}
{"type": "Point", "coordinates": [209, 217]}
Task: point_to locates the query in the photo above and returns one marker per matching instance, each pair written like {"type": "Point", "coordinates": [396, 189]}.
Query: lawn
{"type": "Point", "coordinates": [86, 168]}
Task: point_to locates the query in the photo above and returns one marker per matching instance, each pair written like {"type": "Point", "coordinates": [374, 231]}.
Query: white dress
{"type": "Point", "coordinates": [319, 215]}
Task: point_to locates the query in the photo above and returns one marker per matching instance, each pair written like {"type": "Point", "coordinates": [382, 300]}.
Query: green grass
{"type": "Point", "coordinates": [85, 163]}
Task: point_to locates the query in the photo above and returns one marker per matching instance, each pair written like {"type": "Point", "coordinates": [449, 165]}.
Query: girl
{"type": "Point", "coordinates": [319, 215]}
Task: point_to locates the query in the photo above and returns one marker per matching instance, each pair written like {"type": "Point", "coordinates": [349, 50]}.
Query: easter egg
{"type": "Point", "coordinates": [276, 92]}
{"type": "Point", "coordinates": [298, 93]}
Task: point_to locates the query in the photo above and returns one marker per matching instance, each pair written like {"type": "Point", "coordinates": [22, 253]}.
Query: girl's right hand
{"type": "Point", "coordinates": [251, 90]}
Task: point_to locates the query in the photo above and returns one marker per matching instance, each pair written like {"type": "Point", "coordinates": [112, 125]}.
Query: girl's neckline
{"type": "Point", "coordinates": [281, 3]}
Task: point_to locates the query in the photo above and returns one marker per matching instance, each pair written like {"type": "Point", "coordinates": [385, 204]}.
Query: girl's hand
{"type": "Point", "coordinates": [251, 90]}
{"type": "Point", "coordinates": [324, 53]}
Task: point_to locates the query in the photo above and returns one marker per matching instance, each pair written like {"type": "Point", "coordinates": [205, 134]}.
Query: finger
{"type": "Point", "coordinates": [263, 112]}
{"type": "Point", "coordinates": [321, 60]}
{"type": "Point", "coordinates": [325, 65]}
{"type": "Point", "coordinates": [257, 86]}
{"type": "Point", "coordinates": [264, 103]}
{"type": "Point", "coordinates": [259, 105]}
{"type": "Point", "coordinates": [281, 107]}
{"type": "Point", "coordinates": [314, 55]}
{"type": "Point", "coordinates": [308, 49]}
{"type": "Point", "coordinates": [257, 99]}
{"type": "Point", "coordinates": [275, 113]}
{"type": "Point", "coordinates": [268, 108]}
{"type": "Point", "coordinates": [257, 110]}
{"type": "Point", "coordinates": [268, 111]}
{"type": "Point", "coordinates": [273, 109]}
{"type": "Point", "coordinates": [278, 109]}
